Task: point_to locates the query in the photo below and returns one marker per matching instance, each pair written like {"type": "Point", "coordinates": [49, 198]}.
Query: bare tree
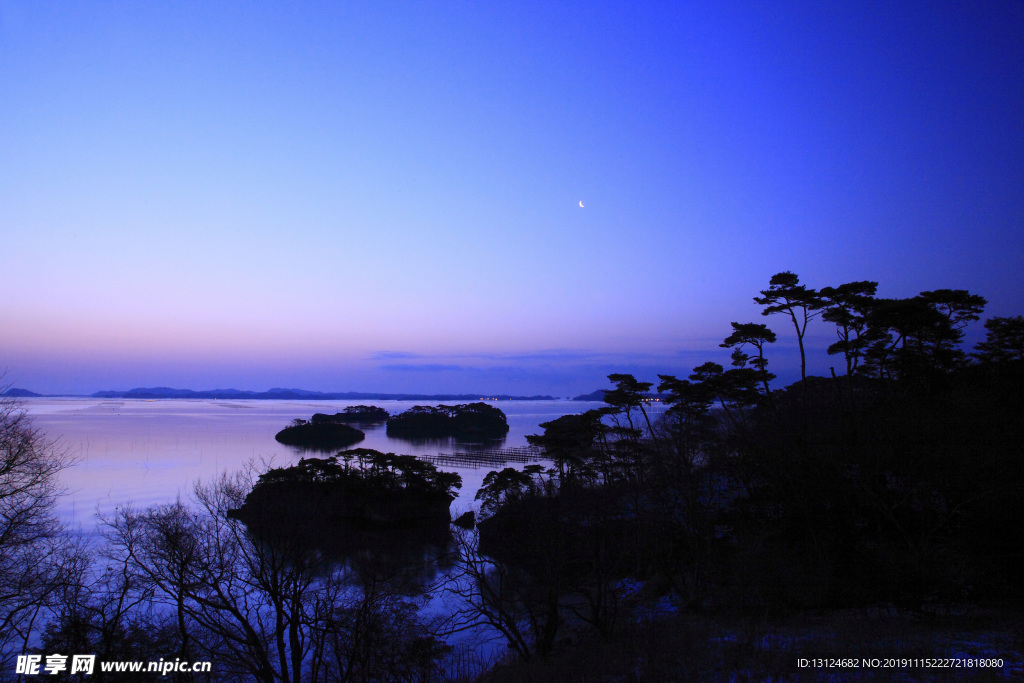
{"type": "Point", "coordinates": [36, 555]}
{"type": "Point", "coordinates": [483, 594]}
{"type": "Point", "coordinates": [263, 600]}
{"type": "Point", "coordinates": [234, 599]}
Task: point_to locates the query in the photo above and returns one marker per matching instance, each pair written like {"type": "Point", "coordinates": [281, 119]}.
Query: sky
{"type": "Point", "coordinates": [386, 196]}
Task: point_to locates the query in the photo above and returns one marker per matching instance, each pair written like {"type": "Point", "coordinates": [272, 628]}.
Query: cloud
{"type": "Point", "coordinates": [395, 355]}
{"type": "Point", "coordinates": [422, 367]}
{"type": "Point", "coordinates": [555, 371]}
{"type": "Point", "coordinates": [560, 356]}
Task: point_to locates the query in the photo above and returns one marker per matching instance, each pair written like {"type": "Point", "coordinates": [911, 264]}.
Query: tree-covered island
{"type": "Point", "coordinates": [465, 421]}
{"type": "Point", "coordinates": [319, 436]}
{"type": "Point", "coordinates": [361, 486]}
{"type": "Point", "coordinates": [354, 415]}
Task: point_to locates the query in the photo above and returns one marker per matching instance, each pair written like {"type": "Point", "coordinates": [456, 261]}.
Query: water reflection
{"type": "Point", "coordinates": [448, 443]}
{"type": "Point", "coordinates": [409, 559]}
{"type": "Point", "coordinates": [154, 451]}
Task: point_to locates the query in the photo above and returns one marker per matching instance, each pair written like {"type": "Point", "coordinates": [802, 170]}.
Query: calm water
{"type": "Point", "coordinates": [150, 451]}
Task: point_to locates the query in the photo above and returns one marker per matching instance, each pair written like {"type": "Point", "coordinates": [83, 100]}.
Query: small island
{"type": "Point", "coordinates": [360, 498]}
{"type": "Point", "coordinates": [465, 421]}
{"type": "Point", "coordinates": [354, 415]}
{"type": "Point", "coordinates": [319, 436]}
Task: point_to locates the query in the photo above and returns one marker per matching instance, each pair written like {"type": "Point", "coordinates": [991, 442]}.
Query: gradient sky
{"type": "Point", "coordinates": [378, 196]}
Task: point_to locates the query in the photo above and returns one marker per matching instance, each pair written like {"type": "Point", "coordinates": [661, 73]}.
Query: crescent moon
{"type": "Point", "coordinates": [581, 204]}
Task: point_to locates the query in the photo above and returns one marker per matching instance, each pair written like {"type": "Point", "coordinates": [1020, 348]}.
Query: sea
{"type": "Point", "coordinates": [147, 452]}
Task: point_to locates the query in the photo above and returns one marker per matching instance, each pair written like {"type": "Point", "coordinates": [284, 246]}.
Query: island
{"type": "Point", "coordinates": [361, 485]}
{"type": "Point", "coordinates": [464, 421]}
{"type": "Point", "coordinates": [319, 436]}
{"type": "Point", "coordinates": [357, 501]}
{"type": "Point", "coordinates": [354, 415]}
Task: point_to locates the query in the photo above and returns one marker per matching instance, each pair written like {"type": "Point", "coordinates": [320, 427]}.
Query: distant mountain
{"type": "Point", "coordinates": [303, 394]}
{"type": "Point", "coordinates": [599, 396]}
{"type": "Point", "coordinates": [20, 393]}
{"type": "Point", "coordinates": [296, 392]}
{"type": "Point", "coordinates": [592, 396]}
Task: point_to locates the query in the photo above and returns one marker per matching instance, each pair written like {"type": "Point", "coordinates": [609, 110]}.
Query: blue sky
{"type": "Point", "coordinates": [385, 196]}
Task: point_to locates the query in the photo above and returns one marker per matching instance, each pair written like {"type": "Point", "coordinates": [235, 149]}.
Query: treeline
{"type": "Point", "coordinates": [895, 481]}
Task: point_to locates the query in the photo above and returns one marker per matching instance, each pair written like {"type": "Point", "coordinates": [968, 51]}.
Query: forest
{"type": "Point", "coordinates": [889, 489]}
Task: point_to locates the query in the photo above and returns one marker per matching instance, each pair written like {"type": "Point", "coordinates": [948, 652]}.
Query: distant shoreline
{"type": "Point", "coordinates": [276, 394]}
